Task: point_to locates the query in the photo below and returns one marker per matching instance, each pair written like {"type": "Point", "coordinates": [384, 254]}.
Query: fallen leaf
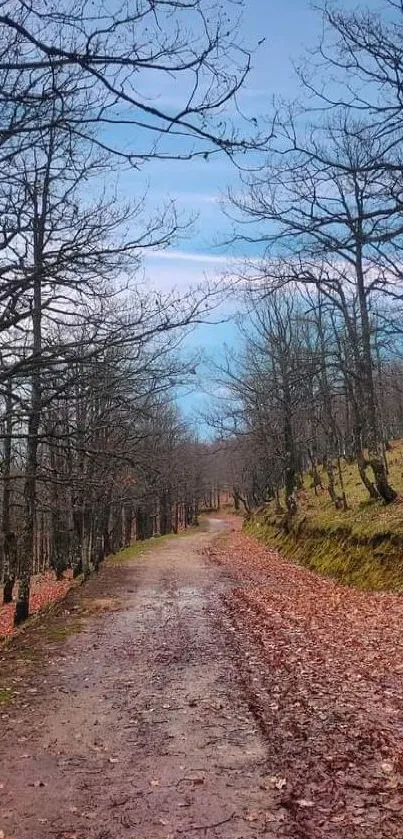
{"type": "Point", "coordinates": [278, 782]}
{"type": "Point", "coordinates": [387, 766]}
{"type": "Point", "coordinates": [45, 589]}
{"type": "Point", "coordinates": [252, 817]}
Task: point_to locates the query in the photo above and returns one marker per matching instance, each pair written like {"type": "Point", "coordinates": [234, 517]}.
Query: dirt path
{"type": "Point", "coordinates": [135, 727]}
{"type": "Point", "coordinates": [222, 692]}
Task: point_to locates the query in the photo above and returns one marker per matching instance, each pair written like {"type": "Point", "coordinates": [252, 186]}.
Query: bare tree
{"type": "Point", "coordinates": [269, 386]}
{"type": "Point", "coordinates": [334, 224]}
{"type": "Point", "coordinates": [9, 557]}
{"type": "Point", "coordinates": [112, 62]}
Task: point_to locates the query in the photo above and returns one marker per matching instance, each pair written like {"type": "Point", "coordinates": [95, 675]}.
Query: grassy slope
{"type": "Point", "coordinates": [361, 547]}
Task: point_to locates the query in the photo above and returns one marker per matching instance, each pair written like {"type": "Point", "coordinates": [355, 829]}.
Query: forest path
{"type": "Point", "coordinates": [135, 726]}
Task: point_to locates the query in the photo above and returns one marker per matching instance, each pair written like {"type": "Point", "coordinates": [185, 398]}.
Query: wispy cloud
{"type": "Point", "coordinates": [186, 196]}
{"type": "Point", "coordinates": [190, 256]}
{"type": "Point", "coordinates": [186, 269]}
{"type": "Point", "coordinates": [199, 198]}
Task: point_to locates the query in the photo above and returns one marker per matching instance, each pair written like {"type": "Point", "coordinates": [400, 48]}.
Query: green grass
{"type": "Point", "coordinates": [145, 546]}
{"type": "Point", "coordinates": [61, 633]}
{"type": "Point", "coordinates": [26, 654]}
{"type": "Point", "coordinates": [366, 518]}
{"type": "Point", "coordinates": [362, 546]}
{"type": "Point", "coordinates": [6, 695]}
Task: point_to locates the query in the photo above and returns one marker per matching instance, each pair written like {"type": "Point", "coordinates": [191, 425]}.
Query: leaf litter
{"type": "Point", "coordinates": [322, 666]}
{"type": "Point", "coordinates": [45, 589]}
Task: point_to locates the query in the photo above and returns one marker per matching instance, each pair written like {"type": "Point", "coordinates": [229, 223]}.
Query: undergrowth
{"type": "Point", "coordinates": [362, 546]}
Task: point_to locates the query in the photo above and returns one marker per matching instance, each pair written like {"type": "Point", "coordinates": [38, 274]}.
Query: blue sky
{"type": "Point", "coordinates": [197, 186]}
{"type": "Point", "coordinates": [289, 27]}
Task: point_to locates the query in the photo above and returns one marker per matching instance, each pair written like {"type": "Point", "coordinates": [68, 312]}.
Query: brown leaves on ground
{"type": "Point", "coordinates": [97, 605]}
{"type": "Point", "coordinates": [45, 589]}
{"type": "Point", "coordinates": [324, 674]}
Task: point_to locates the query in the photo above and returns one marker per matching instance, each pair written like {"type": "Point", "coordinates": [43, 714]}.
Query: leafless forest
{"type": "Point", "coordinates": [94, 450]}
{"type": "Point", "coordinates": [243, 678]}
{"type": "Point", "coordinates": [318, 378]}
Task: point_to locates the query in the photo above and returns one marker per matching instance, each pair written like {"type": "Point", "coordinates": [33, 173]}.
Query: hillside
{"type": "Point", "coordinates": [362, 546]}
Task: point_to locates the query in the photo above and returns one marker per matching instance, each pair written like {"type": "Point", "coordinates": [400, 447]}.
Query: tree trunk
{"type": "Point", "coordinates": [60, 535]}
{"type": "Point", "coordinates": [279, 509]}
{"type": "Point", "coordinates": [314, 471]}
{"type": "Point", "coordinates": [384, 490]}
{"type": "Point", "coordinates": [28, 533]}
{"type": "Point", "coordinates": [8, 537]}
{"type": "Point", "coordinates": [290, 474]}
{"type": "Point", "coordinates": [165, 513]}
{"type": "Point", "coordinates": [60, 542]}
{"type": "Point", "coordinates": [176, 525]}
{"type": "Point", "coordinates": [331, 484]}
{"type": "Point", "coordinates": [341, 479]}
{"type": "Point", "coordinates": [363, 466]}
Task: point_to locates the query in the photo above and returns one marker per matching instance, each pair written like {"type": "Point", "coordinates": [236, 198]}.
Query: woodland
{"type": "Point", "coordinates": [193, 677]}
{"type": "Point", "coordinates": [95, 451]}
{"type": "Point", "coordinates": [311, 405]}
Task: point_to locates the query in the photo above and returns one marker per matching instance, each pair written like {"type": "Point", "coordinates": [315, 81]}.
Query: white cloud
{"type": "Point", "coordinates": [190, 256]}
{"type": "Point", "coordinates": [198, 198]}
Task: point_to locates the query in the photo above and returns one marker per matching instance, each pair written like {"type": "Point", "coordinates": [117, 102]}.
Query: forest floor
{"type": "Point", "coordinates": [206, 688]}
{"type": "Point", "coordinates": [45, 590]}
{"type": "Point", "coordinates": [360, 546]}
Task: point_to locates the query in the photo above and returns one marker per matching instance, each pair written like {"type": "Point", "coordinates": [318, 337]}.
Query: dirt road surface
{"type": "Point", "coordinates": [135, 727]}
